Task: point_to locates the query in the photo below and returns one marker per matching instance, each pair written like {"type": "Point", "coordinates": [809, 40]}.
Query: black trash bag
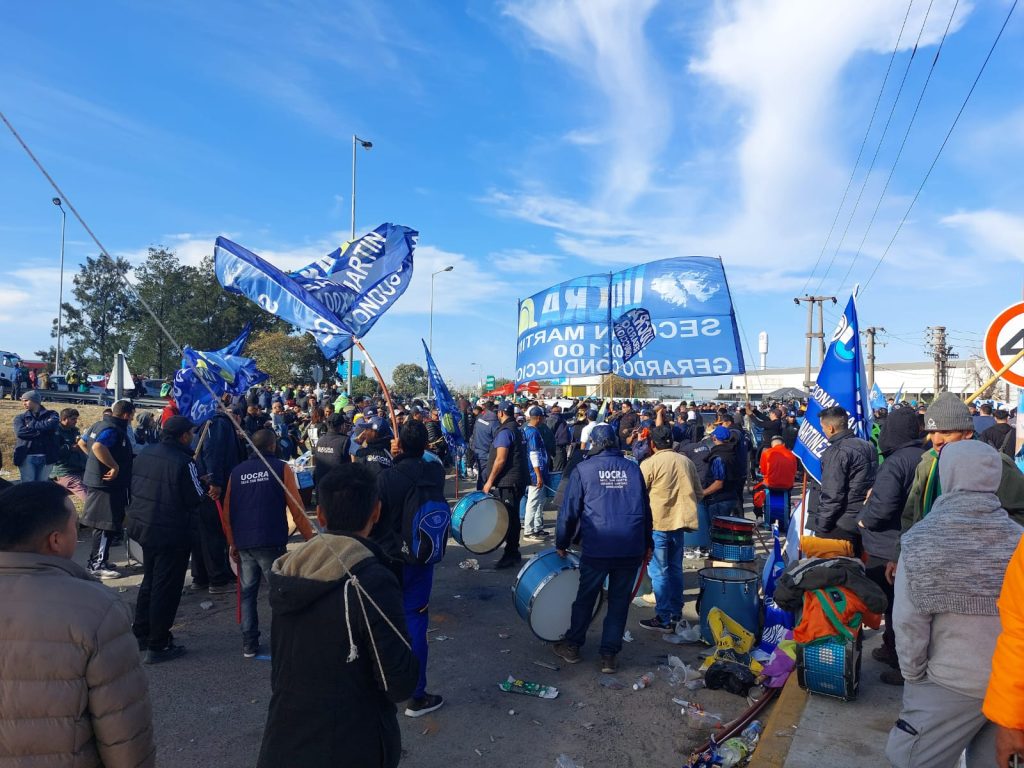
{"type": "Point", "coordinates": [731, 676]}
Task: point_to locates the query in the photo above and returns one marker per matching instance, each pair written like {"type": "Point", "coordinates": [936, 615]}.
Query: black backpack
{"type": "Point", "coordinates": [426, 517]}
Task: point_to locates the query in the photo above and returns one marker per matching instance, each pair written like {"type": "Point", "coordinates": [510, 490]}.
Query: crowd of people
{"type": "Point", "coordinates": [640, 482]}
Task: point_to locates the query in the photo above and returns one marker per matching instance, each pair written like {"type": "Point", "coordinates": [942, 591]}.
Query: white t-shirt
{"type": "Point", "coordinates": [585, 434]}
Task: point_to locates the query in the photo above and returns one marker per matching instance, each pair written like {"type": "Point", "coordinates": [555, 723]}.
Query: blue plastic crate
{"type": "Point", "coordinates": [734, 553]}
{"type": "Point", "coordinates": [830, 667]}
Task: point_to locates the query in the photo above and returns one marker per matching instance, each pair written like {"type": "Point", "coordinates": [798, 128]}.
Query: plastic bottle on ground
{"type": "Point", "coordinates": [564, 761]}
{"type": "Point", "coordinates": [732, 752]}
{"type": "Point", "coordinates": [752, 732]}
{"type": "Point", "coordinates": [643, 681]}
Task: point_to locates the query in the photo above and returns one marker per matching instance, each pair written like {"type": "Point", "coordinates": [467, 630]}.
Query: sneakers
{"type": "Point", "coordinates": [222, 589]}
{"type": "Point", "coordinates": [105, 573]}
{"type": "Point", "coordinates": [423, 706]}
{"type": "Point", "coordinates": [537, 536]}
{"type": "Point", "coordinates": [197, 587]}
{"type": "Point", "coordinates": [657, 625]}
{"type": "Point", "coordinates": [508, 561]}
{"type": "Point", "coordinates": [250, 649]}
{"type": "Point", "coordinates": [172, 651]}
{"type": "Point", "coordinates": [609, 664]}
{"type": "Point", "coordinates": [690, 553]}
{"type": "Point", "coordinates": [566, 652]}
{"type": "Point", "coordinates": [891, 677]}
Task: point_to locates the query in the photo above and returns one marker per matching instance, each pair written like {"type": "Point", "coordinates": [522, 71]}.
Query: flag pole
{"type": "Point", "coordinates": [996, 376]}
{"type": "Point", "coordinates": [380, 380]}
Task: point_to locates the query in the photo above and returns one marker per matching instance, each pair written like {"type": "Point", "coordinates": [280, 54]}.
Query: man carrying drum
{"type": "Point", "coordinates": [607, 507]}
{"type": "Point", "coordinates": [507, 475]}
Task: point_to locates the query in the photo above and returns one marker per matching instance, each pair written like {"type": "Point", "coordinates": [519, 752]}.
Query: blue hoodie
{"type": "Point", "coordinates": [607, 504]}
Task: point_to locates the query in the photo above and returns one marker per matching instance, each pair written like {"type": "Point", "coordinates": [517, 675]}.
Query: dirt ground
{"type": "Point", "coordinates": [210, 706]}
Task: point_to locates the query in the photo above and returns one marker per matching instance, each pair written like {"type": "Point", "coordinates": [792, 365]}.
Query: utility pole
{"type": "Point", "coordinates": [941, 353]}
{"type": "Point", "coordinates": [870, 333]}
{"type": "Point", "coordinates": [811, 334]}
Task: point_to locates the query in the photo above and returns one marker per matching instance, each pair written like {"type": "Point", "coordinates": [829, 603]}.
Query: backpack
{"type": "Point", "coordinates": [426, 519]}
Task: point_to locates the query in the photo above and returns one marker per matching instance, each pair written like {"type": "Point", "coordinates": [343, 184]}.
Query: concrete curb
{"type": "Point", "coordinates": [780, 726]}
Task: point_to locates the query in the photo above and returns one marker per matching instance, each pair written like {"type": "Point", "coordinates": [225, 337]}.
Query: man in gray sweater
{"type": "Point", "coordinates": [949, 577]}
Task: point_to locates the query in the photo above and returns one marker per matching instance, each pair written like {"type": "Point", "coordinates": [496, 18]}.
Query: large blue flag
{"type": "Point", "coordinates": [361, 280]}
{"type": "Point", "coordinates": [205, 377]}
{"type": "Point", "coordinates": [841, 381]}
{"type": "Point", "coordinates": [241, 271]}
{"type": "Point", "coordinates": [899, 396]}
{"type": "Point", "coordinates": [447, 409]}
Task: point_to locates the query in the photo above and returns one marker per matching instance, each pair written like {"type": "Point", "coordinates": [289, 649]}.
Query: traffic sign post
{"type": "Point", "coordinates": [489, 383]}
{"type": "Point", "coordinates": [1004, 348]}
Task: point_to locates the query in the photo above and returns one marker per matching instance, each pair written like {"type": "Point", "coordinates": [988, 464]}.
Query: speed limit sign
{"type": "Point", "coordinates": [1004, 340]}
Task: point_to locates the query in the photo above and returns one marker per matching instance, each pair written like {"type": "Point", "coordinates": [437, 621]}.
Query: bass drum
{"type": "Point", "coordinates": [480, 522]}
{"type": "Point", "coordinates": [544, 592]}
{"type": "Point", "coordinates": [736, 592]}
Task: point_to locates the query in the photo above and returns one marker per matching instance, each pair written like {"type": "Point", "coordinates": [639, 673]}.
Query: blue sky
{"type": "Point", "coordinates": [528, 141]}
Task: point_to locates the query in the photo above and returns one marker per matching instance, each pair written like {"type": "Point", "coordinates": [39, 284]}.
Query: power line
{"type": "Point", "coordinates": [903, 144]}
{"type": "Point", "coordinates": [878, 149]}
{"type": "Point", "coordinates": [945, 141]}
{"type": "Point", "coordinates": [863, 143]}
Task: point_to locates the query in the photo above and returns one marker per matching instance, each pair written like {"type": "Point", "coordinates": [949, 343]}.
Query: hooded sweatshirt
{"type": "Point", "coordinates": [336, 675]}
{"type": "Point", "coordinates": [944, 611]}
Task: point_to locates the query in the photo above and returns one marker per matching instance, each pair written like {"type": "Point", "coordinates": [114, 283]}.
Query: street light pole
{"type": "Point", "coordinates": [356, 142]}
{"type": "Point", "coordinates": [430, 333]}
{"type": "Point", "coordinates": [60, 295]}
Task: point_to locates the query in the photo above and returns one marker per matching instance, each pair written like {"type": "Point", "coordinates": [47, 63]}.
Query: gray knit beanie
{"type": "Point", "coordinates": [948, 413]}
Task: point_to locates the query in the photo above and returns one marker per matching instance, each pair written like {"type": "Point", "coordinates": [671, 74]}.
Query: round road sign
{"type": "Point", "coordinates": [1004, 340]}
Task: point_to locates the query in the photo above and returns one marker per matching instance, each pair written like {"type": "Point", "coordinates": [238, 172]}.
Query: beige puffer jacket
{"type": "Point", "coordinates": [72, 692]}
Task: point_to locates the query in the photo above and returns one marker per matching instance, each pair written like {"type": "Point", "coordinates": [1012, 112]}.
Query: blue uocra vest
{"type": "Point", "coordinates": [258, 511]}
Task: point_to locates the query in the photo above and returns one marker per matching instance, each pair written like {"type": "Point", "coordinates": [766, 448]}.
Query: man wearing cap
{"type": "Point", "coordinates": [535, 494]}
{"type": "Point", "coordinates": [166, 494]}
{"type": "Point", "coordinates": [331, 449]}
{"type": "Point", "coordinates": [374, 439]}
{"type": "Point", "coordinates": [605, 507]}
{"type": "Point", "coordinates": [35, 432]}
{"type": "Point", "coordinates": [674, 491]}
{"type": "Point", "coordinates": [722, 476]}
{"type": "Point", "coordinates": [947, 420]}
{"type": "Point", "coordinates": [108, 475]}
{"type": "Point", "coordinates": [507, 475]}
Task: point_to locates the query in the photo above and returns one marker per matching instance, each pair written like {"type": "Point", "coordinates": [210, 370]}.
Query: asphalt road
{"type": "Point", "coordinates": [210, 705]}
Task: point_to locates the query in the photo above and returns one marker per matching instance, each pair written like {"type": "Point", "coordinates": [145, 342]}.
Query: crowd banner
{"type": "Point", "coordinates": [361, 280]}
{"type": "Point", "coordinates": [841, 381]}
{"type": "Point", "coordinates": [241, 271]}
{"type": "Point", "coordinates": [447, 409]}
{"type": "Point", "coordinates": [568, 330]}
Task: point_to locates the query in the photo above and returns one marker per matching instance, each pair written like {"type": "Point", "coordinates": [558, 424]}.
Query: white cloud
{"type": "Point", "coordinates": [604, 41]}
{"type": "Point", "coordinates": [525, 263]}
{"type": "Point", "coordinates": [995, 232]}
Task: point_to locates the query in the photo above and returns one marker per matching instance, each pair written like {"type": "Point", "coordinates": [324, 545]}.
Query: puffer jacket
{"type": "Point", "coordinates": [607, 506]}
{"type": "Point", "coordinates": [36, 433]}
{"type": "Point", "coordinates": [72, 691]}
{"type": "Point", "coordinates": [1004, 701]}
{"type": "Point", "coordinates": [817, 573]}
{"type": "Point", "coordinates": [848, 469]}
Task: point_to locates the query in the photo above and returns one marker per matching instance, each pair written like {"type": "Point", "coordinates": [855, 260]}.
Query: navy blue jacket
{"type": "Point", "coordinates": [483, 433]}
{"type": "Point", "coordinates": [219, 454]}
{"type": "Point", "coordinates": [258, 508]}
{"type": "Point", "coordinates": [607, 505]}
{"type": "Point", "coordinates": [36, 433]}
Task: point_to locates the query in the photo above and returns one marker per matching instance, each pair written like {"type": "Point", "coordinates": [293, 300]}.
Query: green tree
{"type": "Point", "coordinates": [287, 358]}
{"type": "Point", "coordinates": [166, 286]}
{"type": "Point", "coordinates": [364, 385]}
{"type": "Point", "coordinates": [616, 386]}
{"type": "Point", "coordinates": [501, 381]}
{"type": "Point", "coordinates": [105, 317]}
{"type": "Point", "coordinates": [408, 380]}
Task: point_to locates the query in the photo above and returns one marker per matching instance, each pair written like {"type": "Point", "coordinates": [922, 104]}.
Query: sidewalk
{"type": "Point", "coordinates": [852, 734]}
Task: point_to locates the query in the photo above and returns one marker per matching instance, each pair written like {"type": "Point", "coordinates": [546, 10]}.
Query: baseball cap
{"type": "Point", "coordinates": [376, 423]}
{"type": "Point", "coordinates": [721, 433]}
{"type": "Point", "coordinates": [507, 407]}
{"type": "Point", "coordinates": [535, 411]}
{"type": "Point", "coordinates": [176, 426]}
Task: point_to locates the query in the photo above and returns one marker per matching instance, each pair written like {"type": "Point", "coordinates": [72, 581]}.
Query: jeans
{"type": "Point", "coordinates": [721, 508]}
{"type": "Point", "coordinates": [34, 468]}
{"type": "Point", "coordinates": [163, 576]}
{"type": "Point", "coordinates": [621, 575]}
{"type": "Point", "coordinates": [255, 564]}
{"type": "Point", "coordinates": [417, 581]}
{"type": "Point", "coordinates": [666, 572]}
{"type": "Point", "coordinates": [481, 474]}
{"type": "Point", "coordinates": [535, 499]}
